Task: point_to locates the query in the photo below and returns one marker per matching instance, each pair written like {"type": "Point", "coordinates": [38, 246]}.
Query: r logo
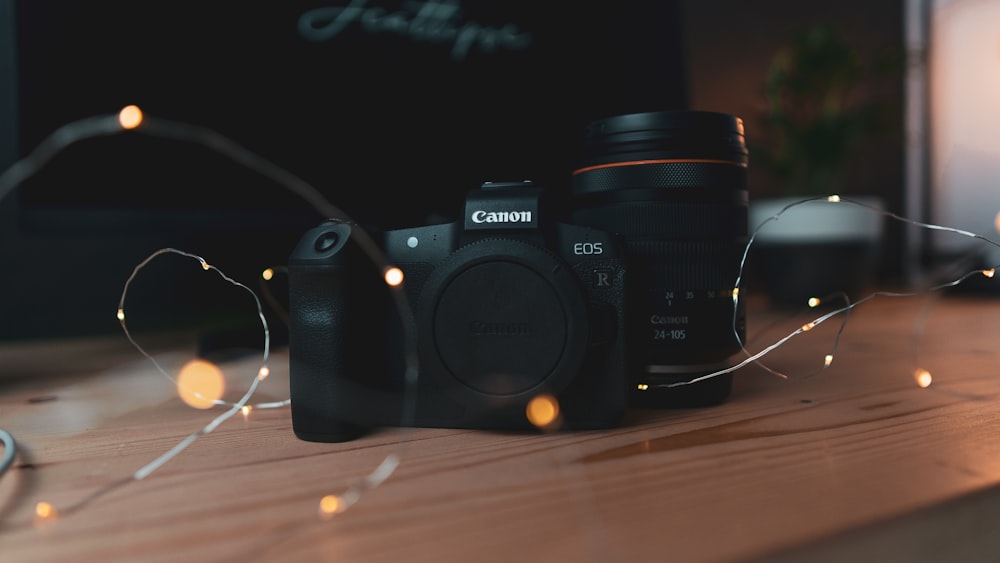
{"type": "Point", "coordinates": [602, 278]}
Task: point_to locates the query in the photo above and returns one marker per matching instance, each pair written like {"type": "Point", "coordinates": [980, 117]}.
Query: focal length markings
{"type": "Point", "coordinates": [671, 319]}
{"type": "Point", "coordinates": [670, 296]}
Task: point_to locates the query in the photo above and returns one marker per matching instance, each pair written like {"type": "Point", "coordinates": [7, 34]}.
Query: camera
{"type": "Point", "coordinates": [509, 304]}
{"type": "Point", "coordinates": [515, 301]}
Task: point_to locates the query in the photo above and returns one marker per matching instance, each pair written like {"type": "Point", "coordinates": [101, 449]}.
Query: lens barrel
{"type": "Point", "coordinates": [673, 185]}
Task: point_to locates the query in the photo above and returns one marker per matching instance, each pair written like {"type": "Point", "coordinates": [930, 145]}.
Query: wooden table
{"type": "Point", "coordinates": [855, 463]}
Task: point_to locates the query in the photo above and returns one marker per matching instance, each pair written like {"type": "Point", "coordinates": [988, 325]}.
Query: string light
{"type": "Point", "coordinates": [923, 378]}
{"type": "Point", "coordinates": [393, 276]}
{"type": "Point", "coordinates": [754, 358]}
{"type": "Point", "coordinates": [130, 117]}
{"type": "Point", "coordinates": [543, 412]}
{"type": "Point", "coordinates": [541, 409]}
{"type": "Point", "coordinates": [200, 384]}
{"type": "Point", "coordinates": [198, 393]}
{"type": "Point", "coordinates": [266, 276]}
{"type": "Point", "coordinates": [9, 450]}
{"type": "Point", "coordinates": [330, 505]}
{"type": "Point", "coordinates": [45, 513]}
{"type": "Point", "coordinates": [44, 510]}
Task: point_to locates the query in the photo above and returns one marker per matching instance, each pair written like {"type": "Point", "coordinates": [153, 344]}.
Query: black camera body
{"type": "Point", "coordinates": [508, 305]}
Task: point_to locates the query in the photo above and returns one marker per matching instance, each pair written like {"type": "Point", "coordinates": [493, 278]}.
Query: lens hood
{"type": "Point", "coordinates": [664, 135]}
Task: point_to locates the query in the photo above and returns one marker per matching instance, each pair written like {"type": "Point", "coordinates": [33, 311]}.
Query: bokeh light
{"type": "Point", "coordinates": [543, 411]}
{"type": "Point", "coordinates": [45, 514]}
{"type": "Point", "coordinates": [330, 505]}
{"type": "Point", "coordinates": [393, 276]}
{"type": "Point", "coordinates": [200, 384]}
{"type": "Point", "coordinates": [923, 378]}
{"type": "Point", "coordinates": [130, 117]}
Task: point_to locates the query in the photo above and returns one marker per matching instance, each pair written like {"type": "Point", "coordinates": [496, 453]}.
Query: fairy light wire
{"type": "Point", "coordinates": [211, 139]}
{"type": "Point", "coordinates": [131, 119]}
{"type": "Point", "coordinates": [110, 125]}
{"type": "Point", "coordinates": [144, 471]}
{"type": "Point", "coordinates": [88, 128]}
{"type": "Point", "coordinates": [105, 125]}
{"type": "Point", "coordinates": [754, 358]}
{"type": "Point", "coordinates": [268, 295]}
{"type": "Point", "coordinates": [205, 266]}
{"type": "Point", "coordinates": [9, 451]}
{"type": "Point", "coordinates": [262, 372]}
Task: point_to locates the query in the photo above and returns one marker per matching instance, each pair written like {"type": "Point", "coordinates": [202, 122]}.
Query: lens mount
{"type": "Point", "coordinates": [501, 321]}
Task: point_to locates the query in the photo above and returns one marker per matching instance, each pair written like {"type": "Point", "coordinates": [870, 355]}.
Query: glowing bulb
{"type": "Point", "coordinates": [923, 378]}
{"type": "Point", "coordinates": [543, 411]}
{"type": "Point", "coordinates": [828, 360]}
{"type": "Point", "coordinates": [834, 198]}
{"type": "Point", "coordinates": [200, 384]}
{"type": "Point", "coordinates": [330, 505]}
{"type": "Point", "coordinates": [204, 264]}
{"type": "Point", "coordinates": [267, 274]}
{"type": "Point", "coordinates": [642, 387]}
{"type": "Point", "coordinates": [263, 372]}
{"type": "Point", "coordinates": [130, 117]}
{"type": "Point", "coordinates": [45, 511]}
{"type": "Point", "coordinates": [996, 222]}
{"type": "Point", "coordinates": [246, 410]}
{"type": "Point", "coordinates": [121, 314]}
{"type": "Point", "coordinates": [808, 326]}
{"type": "Point", "coordinates": [736, 294]}
{"type": "Point", "coordinates": [990, 273]}
{"type": "Point", "coordinates": [814, 302]}
{"type": "Point", "coordinates": [393, 276]}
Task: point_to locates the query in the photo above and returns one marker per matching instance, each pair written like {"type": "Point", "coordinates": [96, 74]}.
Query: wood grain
{"type": "Point", "coordinates": [856, 461]}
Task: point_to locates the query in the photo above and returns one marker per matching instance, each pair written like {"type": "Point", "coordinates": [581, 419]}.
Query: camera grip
{"type": "Point", "coordinates": [318, 355]}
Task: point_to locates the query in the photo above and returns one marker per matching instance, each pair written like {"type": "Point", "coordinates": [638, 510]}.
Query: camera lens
{"type": "Point", "coordinates": [672, 184]}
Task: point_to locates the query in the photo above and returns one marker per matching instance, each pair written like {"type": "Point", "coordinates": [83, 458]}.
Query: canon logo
{"type": "Point", "coordinates": [480, 328]}
{"type": "Point", "coordinates": [501, 217]}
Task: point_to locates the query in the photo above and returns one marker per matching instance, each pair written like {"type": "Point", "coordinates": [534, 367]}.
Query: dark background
{"type": "Point", "coordinates": [391, 129]}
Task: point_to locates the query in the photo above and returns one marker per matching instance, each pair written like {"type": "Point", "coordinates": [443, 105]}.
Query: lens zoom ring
{"type": "Point", "coordinates": [659, 219]}
{"type": "Point", "coordinates": [687, 265]}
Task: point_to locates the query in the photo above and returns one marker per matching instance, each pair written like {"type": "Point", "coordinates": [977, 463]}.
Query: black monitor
{"type": "Point", "coordinates": [392, 109]}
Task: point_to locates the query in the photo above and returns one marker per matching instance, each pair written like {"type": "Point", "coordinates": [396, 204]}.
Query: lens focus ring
{"type": "Point", "coordinates": [651, 174]}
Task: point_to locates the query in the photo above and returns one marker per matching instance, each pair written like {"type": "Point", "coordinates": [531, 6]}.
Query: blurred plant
{"type": "Point", "coordinates": [821, 102]}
